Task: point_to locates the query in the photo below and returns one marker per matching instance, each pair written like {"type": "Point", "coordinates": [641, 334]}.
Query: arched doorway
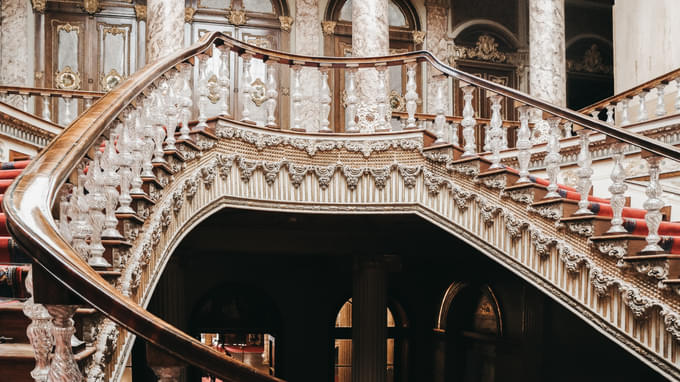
{"type": "Point", "coordinates": [241, 321]}
{"type": "Point", "coordinates": [403, 22]}
{"type": "Point", "coordinates": [469, 329]}
{"type": "Point", "coordinates": [397, 343]}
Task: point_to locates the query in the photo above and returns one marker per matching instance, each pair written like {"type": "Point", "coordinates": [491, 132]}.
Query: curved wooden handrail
{"type": "Point", "coordinates": [24, 90]}
{"type": "Point", "coordinates": [29, 199]}
{"type": "Point", "coordinates": [632, 92]}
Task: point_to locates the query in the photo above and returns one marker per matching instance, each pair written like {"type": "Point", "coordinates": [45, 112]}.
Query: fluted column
{"type": "Point", "coordinates": [436, 24]}
{"type": "Point", "coordinates": [547, 76]}
{"type": "Point", "coordinates": [370, 37]}
{"type": "Point", "coordinates": [164, 28]}
{"type": "Point", "coordinates": [307, 42]}
{"type": "Point", "coordinates": [369, 321]}
{"type": "Point", "coordinates": [14, 45]}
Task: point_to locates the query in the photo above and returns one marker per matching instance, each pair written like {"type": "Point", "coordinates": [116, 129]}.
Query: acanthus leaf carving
{"type": "Point", "coordinates": [324, 175]}
{"type": "Point", "coordinates": [247, 168]}
{"type": "Point", "coordinates": [271, 171]}
{"type": "Point", "coordinates": [380, 176]}
{"type": "Point", "coordinates": [352, 176]}
{"type": "Point", "coordinates": [409, 174]}
{"type": "Point", "coordinates": [542, 243]}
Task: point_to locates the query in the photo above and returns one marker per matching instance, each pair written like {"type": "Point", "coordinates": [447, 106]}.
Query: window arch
{"type": "Point", "coordinates": [401, 13]}
{"type": "Point", "coordinates": [396, 342]}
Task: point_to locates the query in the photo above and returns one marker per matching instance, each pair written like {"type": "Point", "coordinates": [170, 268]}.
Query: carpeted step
{"type": "Point", "coordinates": [12, 279]}
{"type": "Point", "coordinates": [3, 224]}
{"type": "Point", "coordinates": [21, 164]}
{"type": "Point", "coordinates": [11, 253]}
{"type": "Point", "coordinates": [639, 227]}
{"type": "Point", "coordinates": [604, 209]}
{"type": "Point", "coordinates": [10, 174]}
{"type": "Point", "coordinates": [670, 244]}
{"type": "Point", "coordinates": [4, 184]}
{"type": "Point", "coordinates": [564, 191]}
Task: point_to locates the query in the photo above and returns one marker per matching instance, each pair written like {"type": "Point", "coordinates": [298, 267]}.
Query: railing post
{"type": "Point", "coordinates": [642, 112]}
{"type": "Point", "coordinates": [97, 203]}
{"type": "Point", "coordinates": [524, 144]}
{"type": "Point", "coordinates": [111, 182]}
{"type": "Point", "coordinates": [39, 333]}
{"type": "Point", "coordinates": [223, 79]}
{"type": "Point", "coordinates": [171, 113]}
{"type": "Point", "coordinates": [246, 88]}
{"type": "Point", "coordinates": [46, 114]}
{"type": "Point", "coordinates": [660, 101]}
{"type": "Point", "coordinates": [272, 94]}
{"type": "Point", "coordinates": [325, 100]}
{"type": "Point", "coordinates": [381, 99]}
{"type": "Point", "coordinates": [68, 116]}
{"type": "Point", "coordinates": [124, 161]}
{"type": "Point", "coordinates": [202, 91]}
{"type": "Point", "coordinates": [440, 109]}
{"type": "Point", "coordinates": [297, 99]}
{"type": "Point", "coordinates": [618, 189]}
{"type": "Point", "coordinates": [468, 122]}
{"type": "Point", "coordinates": [63, 366]}
{"type": "Point", "coordinates": [351, 101]}
{"type": "Point", "coordinates": [677, 96]}
{"type": "Point", "coordinates": [24, 101]}
{"type": "Point", "coordinates": [653, 205]}
{"type": "Point", "coordinates": [411, 95]}
{"type": "Point", "coordinates": [624, 111]}
{"type": "Point", "coordinates": [553, 158]}
{"type": "Point", "coordinates": [454, 133]}
{"type": "Point", "coordinates": [610, 114]}
{"type": "Point", "coordinates": [81, 228]}
{"type": "Point", "coordinates": [496, 131]}
{"type": "Point", "coordinates": [585, 172]}
{"type": "Point", "coordinates": [184, 98]}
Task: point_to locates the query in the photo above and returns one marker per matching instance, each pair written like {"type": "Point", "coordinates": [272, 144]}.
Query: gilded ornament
{"type": "Point", "coordinates": [213, 89]}
{"type": "Point", "coordinates": [110, 80]}
{"type": "Point", "coordinates": [486, 49]}
{"type": "Point", "coordinates": [68, 28]}
{"type": "Point", "coordinates": [590, 63]}
{"type": "Point", "coordinates": [258, 92]}
{"type": "Point", "coordinates": [418, 37]}
{"type": "Point", "coordinates": [67, 79]}
{"type": "Point", "coordinates": [328, 27]}
{"type": "Point", "coordinates": [140, 12]}
{"type": "Point", "coordinates": [189, 14]}
{"type": "Point", "coordinates": [237, 17]}
{"type": "Point", "coordinates": [91, 6]}
{"type": "Point", "coordinates": [396, 101]}
{"type": "Point", "coordinates": [286, 22]}
{"type": "Point", "coordinates": [39, 5]}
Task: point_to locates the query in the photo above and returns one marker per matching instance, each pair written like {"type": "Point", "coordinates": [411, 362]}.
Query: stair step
{"type": "Point", "coordinates": [17, 361]}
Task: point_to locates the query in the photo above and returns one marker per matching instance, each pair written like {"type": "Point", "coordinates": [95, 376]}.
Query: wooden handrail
{"type": "Point", "coordinates": [29, 121]}
{"type": "Point", "coordinates": [29, 200]}
{"type": "Point", "coordinates": [24, 90]}
{"type": "Point", "coordinates": [632, 92]}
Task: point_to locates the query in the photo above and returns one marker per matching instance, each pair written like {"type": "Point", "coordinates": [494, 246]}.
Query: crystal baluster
{"type": "Point", "coordinates": [64, 224]}
{"type": "Point", "coordinates": [125, 171]}
{"type": "Point", "coordinates": [677, 96]}
{"type": "Point", "coordinates": [171, 112]}
{"type": "Point", "coordinates": [159, 130]}
{"type": "Point", "coordinates": [24, 100]}
{"type": "Point", "coordinates": [81, 227]}
{"type": "Point", "coordinates": [325, 100]}
{"type": "Point", "coordinates": [524, 144]}
{"type": "Point", "coordinates": [39, 333]}
{"type": "Point", "coordinates": [224, 80]}
{"type": "Point", "coordinates": [653, 205]}
{"type": "Point", "coordinates": [185, 102]}
{"type": "Point", "coordinates": [454, 133]}
{"type": "Point", "coordinates": [272, 95]}
{"type": "Point", "coordinates": [660, 101]}
{"type": "Point", "coordinates": [202, 91]}
{"type": "Point", "coordinates": [111, 182]}
{"type": "Point", "coordinates": [618, 189]}
{"type": "Point", "coordinates": [411, 95]}
{"type": "Point", "coordinates": [440, 110]}
{"type": "Point", "coordinates": [585, 172]}
{"type": "Point", "coordinates": [297, 99]}
{"type": "Point", "coordinates": [468, 123]}
{"type": "Point", "coordinates": [46, 113]}
{"type": "Point", "coordinates": [624, 111]}
{"type": "Point", "coordinates": [642, 113]}
{"type": "Point", "coordinates": [88, 102]}
{"type": "Point", "coordinates": [610, 114]}
{"type": "Point", "coordinates": [496, 131]}
{"type": "Point", "coordinates": [595, 114]}
{"type": "Point", "coordinates": [351, 101]}
{"type": "Point", "coordinates": [381, 99]}
{"type": "Point", "coordinates": [63, 366]}
{"type": "Point", "coordinates": [247, 88]}
{"type": "Point", "coordinates": [553, 158]}
{"type": "Point", "coordinates": [148, 140]}
{"type": "Point", "coordinates": [504, 138]}
{"type": "Point", "coordinates": [68, 113]}
{"type": "Point", "coordinates": [487, 139]}
{"type": "Point", "coordinates": [137, 150]}
{"type": "Point", "coordinates": [97, 202]}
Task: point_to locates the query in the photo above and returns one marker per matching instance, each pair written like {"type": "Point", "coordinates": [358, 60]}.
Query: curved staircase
{"type": "Point", "coordinates": [102, 219]}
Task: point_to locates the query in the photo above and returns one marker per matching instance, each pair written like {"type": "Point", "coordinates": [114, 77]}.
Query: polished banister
{"type": "Point", "coordinates": [30, 199]}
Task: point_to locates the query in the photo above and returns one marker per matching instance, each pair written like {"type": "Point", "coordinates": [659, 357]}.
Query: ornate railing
{"type": "Point", "coordinates": [25, 127]}
{"type": "Point", "coordinates": [55, 105]}
{"type": "Point", "coordinates": [120, 151]}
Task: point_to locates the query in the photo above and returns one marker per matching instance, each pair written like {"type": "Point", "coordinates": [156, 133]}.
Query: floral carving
{"type": "Point", "coordinates": [190, 187]}
{"type": "Point", "coordinates": [380, 176]}
{"type": "Point", "coordinates": [352, 176]}
{"type": "Point", "coordinates": [297, 173]}
{"type": "Point", "coordinates": [522, 195]}
{"type": "Point", "coordinates": [247, 167]}
{"type": "Point", "coordinates": [582, 228]}
{"type": "Point", "coordinates": [409, 175]}
{"type": "Point", "coordinates": [224, 164]}
{"type": "Point", "coordinates": [514, 226]}
{"type": "Point", "coordinates": [324, 175]}
{"type": "Point", "coordinates": [486, 49]}
{"type": "Point", "coordinates": [542, 243]}
{"type": "Point", "coordinates": [614, 248]}
{"type": "Point", "coordinates": [552, 211]}
{"type": "Point", "coordinates": [487, 210]}
{"type": "Point", "coordinates": [271, 171]}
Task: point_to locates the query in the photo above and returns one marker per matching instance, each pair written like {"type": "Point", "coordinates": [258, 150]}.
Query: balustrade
{"type": "Point", "coordinates": [130, 149]}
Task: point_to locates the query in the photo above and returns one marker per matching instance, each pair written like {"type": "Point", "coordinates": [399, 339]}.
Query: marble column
{"type": "Point", "coordinates": [307, 42]}
{"type": "Point", "coordinates": [370, 37]}
{"type": "Point", "coordinates": [164, 28]}
{"type": "Point", "coordinates": [547, 71]}
{"type": "Point", "coordinates": [14, 45]}
{"type": "Point", "coordinates": [369, 321]}
{"type": "Point", "coordinates": [436, 24]}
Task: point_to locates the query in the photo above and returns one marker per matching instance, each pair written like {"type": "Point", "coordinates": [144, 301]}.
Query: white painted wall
{"type": "Point", "coordinates": [645, 40]}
